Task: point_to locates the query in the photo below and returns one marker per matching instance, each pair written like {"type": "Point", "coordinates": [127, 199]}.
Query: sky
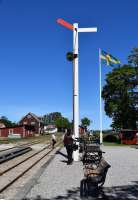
{"type": "Point", "coordinates": [34, 73]}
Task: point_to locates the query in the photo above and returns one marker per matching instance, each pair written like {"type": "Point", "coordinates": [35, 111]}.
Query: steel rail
{"type": "Point", "coordinates": [12, 167]}
{"type": "Point", "coordinates": [33, 143]}
{"type": "Point", "coordinates": [30, 167]}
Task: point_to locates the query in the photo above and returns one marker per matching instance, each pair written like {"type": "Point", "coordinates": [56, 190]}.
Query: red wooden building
{"type": "Point", "coordinates": [129, 136]}
{"type": "Point", "coordinates": [24, 131]}
{"type": "Point", "coordinates": [34, 122]}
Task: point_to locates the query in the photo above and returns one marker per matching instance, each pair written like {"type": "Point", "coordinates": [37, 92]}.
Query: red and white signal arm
{"type": "Point", "coordinates": [65, 24]}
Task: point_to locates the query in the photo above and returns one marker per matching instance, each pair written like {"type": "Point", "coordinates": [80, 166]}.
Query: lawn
{"type": "Point", "coordinates": [119, 145]}
{"type": "Point", "coordinates": [42, 138]}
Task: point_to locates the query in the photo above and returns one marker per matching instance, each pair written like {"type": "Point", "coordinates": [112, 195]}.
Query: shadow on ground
{"type": "Point", "coordinates": [126, 192]}
{"type": "Point", "coordinates": [62, 154]}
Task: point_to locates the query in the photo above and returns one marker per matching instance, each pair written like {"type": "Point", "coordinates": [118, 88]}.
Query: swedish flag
{"type": "Point", "coordinates": [110, 60]}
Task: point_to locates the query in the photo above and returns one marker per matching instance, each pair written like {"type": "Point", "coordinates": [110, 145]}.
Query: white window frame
{"type": "Point", "coordinates": [10, 131]}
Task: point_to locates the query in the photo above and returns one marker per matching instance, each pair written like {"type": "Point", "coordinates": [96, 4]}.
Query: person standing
{"type": "Point", "coordinates": [53, 140]}
{"type": "Point", "coordinates": [68, 143]}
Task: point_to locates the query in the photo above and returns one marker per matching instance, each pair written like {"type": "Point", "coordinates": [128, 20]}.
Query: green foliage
{"type": "Point", "coordinates": [133, 58]}
{"type": "Point", "coordinates": [58, 120]}
{"type": "Point", "coordinates": [7, 122]}
{"type": "Point", "coordinates": [51, 118]}
{"type": "Point", "coordinates": [62, 123]}
{"type": "Point", "coordinates": [120, 103]}
{"type": "Point", "coordinates": [85, 122]}
{"type": "Point", "coordinates": [111, 138]}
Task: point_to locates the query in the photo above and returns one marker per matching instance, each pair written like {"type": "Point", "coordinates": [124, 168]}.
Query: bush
{"type": "Point", "coordinates": [111, 138]}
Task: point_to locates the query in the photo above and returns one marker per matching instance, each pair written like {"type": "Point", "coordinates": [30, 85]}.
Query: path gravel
{"type": "Point", "coordinates": [60, 181]}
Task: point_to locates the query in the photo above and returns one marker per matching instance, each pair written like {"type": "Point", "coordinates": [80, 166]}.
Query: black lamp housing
{"type": "Point", "coordinates": [70, 56]}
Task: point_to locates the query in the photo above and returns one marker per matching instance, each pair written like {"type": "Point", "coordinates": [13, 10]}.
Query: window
{"type": "Point", "coordinates": [10, 131]}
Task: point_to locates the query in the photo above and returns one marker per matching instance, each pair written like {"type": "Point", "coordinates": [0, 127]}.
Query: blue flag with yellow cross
{"type": "Point", "coordinates": [109, 59]}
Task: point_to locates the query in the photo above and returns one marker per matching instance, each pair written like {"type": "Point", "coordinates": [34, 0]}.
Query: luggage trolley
{"type": "Point", "coordinates": [95, 169]}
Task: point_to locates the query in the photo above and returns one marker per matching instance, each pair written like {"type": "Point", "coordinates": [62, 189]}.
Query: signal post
{"type": "Point", "coordinates": [75, 30]}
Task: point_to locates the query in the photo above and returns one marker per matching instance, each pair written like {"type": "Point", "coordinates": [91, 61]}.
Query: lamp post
{"type": "Point", "coordinates": [75, 30]}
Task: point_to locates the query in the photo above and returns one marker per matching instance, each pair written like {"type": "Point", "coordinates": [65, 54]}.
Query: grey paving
{"type": "Point", "coordinates": [60, 181]}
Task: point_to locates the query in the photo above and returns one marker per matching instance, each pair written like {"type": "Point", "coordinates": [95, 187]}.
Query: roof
{"type": "Point", "coordinates": [34, 116]}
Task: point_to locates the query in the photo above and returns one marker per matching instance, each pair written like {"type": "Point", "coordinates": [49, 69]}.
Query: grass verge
{"type": "Point", "coordinates": [43, 138]}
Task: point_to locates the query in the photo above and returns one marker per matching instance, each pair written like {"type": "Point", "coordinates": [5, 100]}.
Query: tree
{"type": "Point", "coordinates": [51, 118]}
{"type": "Point", "coordinates": [120, 103]}
{"type": "Point", "coordinates": [85, 122]}
{"type": "Point", "coordinates": [55, 115]}
{"type": "Point", "coordinates": [7, 122]}
{"type": "Point", "coordinates": [62, 123]}
{"type": "Point", "coordinates": [133, 58]}
{"type": "Point", "coordinates": [58, 120]}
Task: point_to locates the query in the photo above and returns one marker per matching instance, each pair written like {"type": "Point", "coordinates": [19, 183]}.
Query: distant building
{"type": "Point", "coordinates": [23, 131]}
{"type": "Point", "coordinates": [34, 122]}
{"type": "Point", "coordinates": [50, 129]}
{"type": "Point", "coordinates": [128, 136]}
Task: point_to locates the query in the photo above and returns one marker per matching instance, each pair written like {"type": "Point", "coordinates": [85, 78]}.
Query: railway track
{"type": "Point", "coordinates": [13, 173]}
{"type": "Point", "coordinates": [26, 144]}
{"type": "Point", "coordinates": [24, 160]}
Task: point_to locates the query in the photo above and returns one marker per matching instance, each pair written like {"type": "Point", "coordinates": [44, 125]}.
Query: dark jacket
{"type": "Point", "coordinates": [68, 140]}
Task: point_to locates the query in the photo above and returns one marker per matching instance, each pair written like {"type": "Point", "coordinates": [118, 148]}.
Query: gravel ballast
{"type": "Point", "coordinates": [62, 181]}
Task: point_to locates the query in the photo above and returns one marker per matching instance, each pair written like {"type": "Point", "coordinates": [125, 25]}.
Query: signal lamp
{"type": "Point", "coordinates": [70, 56]}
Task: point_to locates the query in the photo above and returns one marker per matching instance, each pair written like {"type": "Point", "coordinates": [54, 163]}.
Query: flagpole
{"type": "Point", "coordinates": [100, 92]}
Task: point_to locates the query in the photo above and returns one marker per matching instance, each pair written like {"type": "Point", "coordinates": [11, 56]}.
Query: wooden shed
{"type": "Point", "coordinates": [128, 136]}
{"type": "Point", "coordinates": [24, 131]}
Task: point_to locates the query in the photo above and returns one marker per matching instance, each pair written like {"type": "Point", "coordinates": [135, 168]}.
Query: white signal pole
{"type": "Point", "coordinates": [75, 89]}
{"type": "Point", "coordinates": [75, 30]}
{"type": "Point", "coordinates": [76, 82]}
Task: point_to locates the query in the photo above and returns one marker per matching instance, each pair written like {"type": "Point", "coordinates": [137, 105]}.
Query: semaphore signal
{"type": "Point", "coordinates": [74, 57]}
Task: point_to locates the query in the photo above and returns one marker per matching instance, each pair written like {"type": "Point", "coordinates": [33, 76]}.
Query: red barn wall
{"type": "Point", "coordinates": [4, 132]}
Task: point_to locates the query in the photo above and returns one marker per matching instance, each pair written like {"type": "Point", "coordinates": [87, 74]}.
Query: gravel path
{"type": "Point", "coordinates": [60, 181]}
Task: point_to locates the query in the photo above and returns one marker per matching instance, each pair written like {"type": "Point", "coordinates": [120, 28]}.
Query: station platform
{"type": "Point", "coordinates": [62, 181]}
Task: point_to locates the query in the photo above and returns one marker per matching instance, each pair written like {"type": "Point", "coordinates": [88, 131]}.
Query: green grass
{"type": "Point", "coordinates": [44, 138]}
{"type": "Point", "coordinates": [113, 144]}
{"type": "Point", "coordinates": [14, 141]}
{"type": "Point", "coordinates": [119, 145]}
